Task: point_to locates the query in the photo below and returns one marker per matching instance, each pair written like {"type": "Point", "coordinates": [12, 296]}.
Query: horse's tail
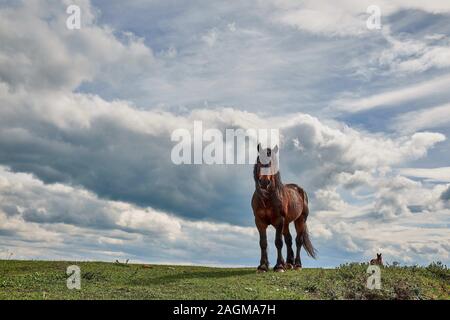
{"type": "Point", "coordinates": [312, 252]}
{"type": "Point", "coordinates": [309, 248]}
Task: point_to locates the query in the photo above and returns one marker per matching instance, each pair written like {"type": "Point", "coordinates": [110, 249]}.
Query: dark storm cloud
{"type": "Point", "coordinates": [121, 153]}
{"type": "Point", "coordinates": [120, 164]}
{"type": "Point", "coordinates": [446, 194]}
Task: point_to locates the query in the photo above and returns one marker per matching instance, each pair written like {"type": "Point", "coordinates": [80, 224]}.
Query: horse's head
{"type": "Point", "coordinates": [267, 167]}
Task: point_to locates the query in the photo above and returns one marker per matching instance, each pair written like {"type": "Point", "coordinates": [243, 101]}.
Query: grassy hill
{"type": "Point", "coordinates": [100, 280]}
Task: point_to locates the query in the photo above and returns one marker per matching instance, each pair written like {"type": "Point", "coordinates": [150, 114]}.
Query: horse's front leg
{"type": "Point", "coordinates": [279, 267]}
{"type": "Point", "coordinates": [264, 262]}
{"type": "Point", "coordinates": [290, 252]}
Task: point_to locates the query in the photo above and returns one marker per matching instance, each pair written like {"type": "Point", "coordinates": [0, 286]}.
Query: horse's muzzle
{"type": "Point", "coordinates": [264, 184]}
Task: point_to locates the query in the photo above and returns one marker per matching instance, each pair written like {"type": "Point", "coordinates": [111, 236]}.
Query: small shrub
{"type": "Point", "coordinates": [311, 287]}
{"type": "Point", "coordinates": [93, 276]}
{"type": "Point", "coordinates": [405, 291]}
{"type": "Point", "coordinates": [439, 270]}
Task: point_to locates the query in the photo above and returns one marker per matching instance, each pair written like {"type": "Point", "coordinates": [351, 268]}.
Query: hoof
{"type": "Point", "coordinates": [298, 267]}
{"type": "Point", "coordinates": [288, 266]}
{"type": "Point", "coordinates": [262, 268]}
{"type": "Point", "coordinates": [279, 268]}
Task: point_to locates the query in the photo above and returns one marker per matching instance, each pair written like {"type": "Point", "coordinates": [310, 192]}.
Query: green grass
{"type": "Point", "coordinates": [100, 280]}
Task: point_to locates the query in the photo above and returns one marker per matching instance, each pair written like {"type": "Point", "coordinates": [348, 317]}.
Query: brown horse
{"type": "Point", "coordinates": [378, 260]}
{"type": "Point", "coordinates": [277, 204]}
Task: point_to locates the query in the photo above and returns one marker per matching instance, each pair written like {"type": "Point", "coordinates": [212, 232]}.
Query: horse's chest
{"type": "Point", "coordinates": [269, 215]}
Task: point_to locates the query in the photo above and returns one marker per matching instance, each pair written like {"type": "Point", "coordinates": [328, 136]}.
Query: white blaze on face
{"type": "Point", "coordinates": [272, 160]}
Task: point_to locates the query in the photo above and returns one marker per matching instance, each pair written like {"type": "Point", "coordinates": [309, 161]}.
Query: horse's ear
{"type": "Point", "coordinates": [275, 149]}
{"type": "Point", "coordinates": [259, 146]}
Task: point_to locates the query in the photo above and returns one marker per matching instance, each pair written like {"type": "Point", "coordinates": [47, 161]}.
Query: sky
{"type": "Point", "coordinates": [86, 118]}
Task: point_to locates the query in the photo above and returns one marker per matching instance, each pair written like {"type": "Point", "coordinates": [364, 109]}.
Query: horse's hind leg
{"type": "Point", "coordinates": [290, 253]}
{"type": "Point", "coordinates": [300, 229]}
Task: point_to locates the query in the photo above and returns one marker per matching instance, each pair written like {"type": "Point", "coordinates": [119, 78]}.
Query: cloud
{"type": "Point", "coordinates": [39, 52]}
{"type": "Point", "coordinates": [446, 194]}
{"type": "Point", "coordinates": [394, 97]}
{"type": "Point", "coordinates": [123, 153]}
{"type": "Point", "coordinates": [252, 65]}
{"type": "Point", "coordinates": [325, 22]}
{"type": "Point", "coordinates": [435, 174]}
{"type": "Point", "coordinates": [87, 116]}
{"type": "Point", "coordinates": [348, 19]}
{"type": "Point", "coordinates": [144, 234]}
{"type": "Point", "coordinates": [390, 226]}
{"type": "Point", "coordinates": [339, 148]}
{"type": "Point", "coordinates": [406, 56]}
{"type": "Point", "coordinates": [211, 37]}
{"type": "Point", "coordinates": [111, 165]}
{"type": "Point", "coordinates": [429, 118]}
{"type": "Point", "coordinates": [62, 215]}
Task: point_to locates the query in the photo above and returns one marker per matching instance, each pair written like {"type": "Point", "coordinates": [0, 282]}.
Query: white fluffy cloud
{"type": "Point", "coordinates": [40, 52]}
{"type": "Point", "coordinates": [55, 216]}
{"type": "Point", "coordinates": [346, 19]}
{"type": "Point", "coordinates": [429, 118]}
{"type": "Point", "coordinates": [409, 55]}
{"type": "Point", "coordinates": [434, 174]}
{"type": "Point", "coordinates": [393, 98]}
{"type": "Point", "coordinates": [323, 158]}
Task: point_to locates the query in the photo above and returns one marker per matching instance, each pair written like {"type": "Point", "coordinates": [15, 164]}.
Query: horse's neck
{"type": "Point", "coordinates": [275, 195]}
{"type": "Point", "coordinates": [279, 185]}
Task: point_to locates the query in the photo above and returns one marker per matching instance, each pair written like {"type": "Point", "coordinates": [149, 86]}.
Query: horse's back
{"type": "Point", "coordinates": [300, 190]}
{"type": "Point", "coordinates": [297, 203]}
{"type": "Point", "coordinates": [294, 205]}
